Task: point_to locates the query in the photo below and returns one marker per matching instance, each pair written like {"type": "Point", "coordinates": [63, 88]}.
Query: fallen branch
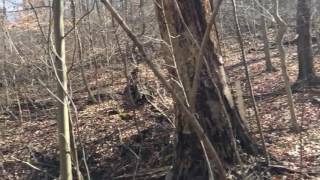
{"type": "Point", "coordinates": [34, 167]}
{"type": "Point", "coordinates": [152, 173]}
{"type": "Point", "coordinates": [283, 169]}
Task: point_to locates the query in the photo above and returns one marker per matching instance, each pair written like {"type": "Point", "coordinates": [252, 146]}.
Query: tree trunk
{"type": "Point", "coordinates": [318, 28]}
{"type": "Point", "coordinates": [279, 40]}
{"type": "Point", "coordinates": [189, 161]}
{"type": "Point", "coordinates": [266, 48]}
{"type": "Point", "coordinates": [91, 97]}
{"type": "Point", "coordinates": [62, 86]}
{"type": "Point", "coordinates": [5, 51]}
{"type": "Point", "coordinates": [306, 70]}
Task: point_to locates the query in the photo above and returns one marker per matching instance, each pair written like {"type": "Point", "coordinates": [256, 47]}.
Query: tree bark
{"type": "Point", "coordinates": [189, 162]}
{"type": "Point", "coordinates": [62, 86]}
{"type": "Point", "coordinates": [306, 69]}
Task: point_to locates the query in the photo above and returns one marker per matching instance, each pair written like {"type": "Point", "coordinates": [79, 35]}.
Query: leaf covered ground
{"type": "Point", "coordinates": [120, 141]}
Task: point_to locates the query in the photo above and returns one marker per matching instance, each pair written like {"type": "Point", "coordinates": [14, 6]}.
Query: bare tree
{"type": "Point", "coordinates": [281, 32]}
{"type": "Point", "coordinates": [264, 31]}
{"type": "Point", "coordinates": [62, 89]}
{"type": "Point", "coordinates": [243, 58]}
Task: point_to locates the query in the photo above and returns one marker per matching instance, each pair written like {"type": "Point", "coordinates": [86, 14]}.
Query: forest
{"type": "Point", "coordinates": [160, 90]}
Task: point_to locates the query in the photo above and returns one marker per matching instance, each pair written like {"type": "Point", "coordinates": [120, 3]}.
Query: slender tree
{"type": "Point", "coordinates": [243, 58]}
{"type": "Point", "coordinates": [264, 32]}
{"type": "Point", "coordinates": [62, 86]}
{"type": "Point", "coordinates": [279, 39]}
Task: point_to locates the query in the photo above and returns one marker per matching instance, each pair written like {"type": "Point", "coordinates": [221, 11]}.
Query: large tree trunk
{"type": "Point", "coordinates": [189, 159]}
{"type": "Point", "coordinates": [306, 70]}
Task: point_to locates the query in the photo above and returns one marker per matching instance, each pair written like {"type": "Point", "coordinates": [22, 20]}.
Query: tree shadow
{"type": "Point", "coordinates": [144, 155]}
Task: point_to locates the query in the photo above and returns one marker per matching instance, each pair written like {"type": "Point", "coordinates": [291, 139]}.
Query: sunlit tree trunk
{"type": "Point", "coordinates": [63, 112]}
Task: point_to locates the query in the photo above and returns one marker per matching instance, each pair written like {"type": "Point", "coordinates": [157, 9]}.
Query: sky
{"type": "Point", "coordinates": [11, 5]}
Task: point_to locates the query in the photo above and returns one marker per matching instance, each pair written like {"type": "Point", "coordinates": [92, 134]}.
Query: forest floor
{"type": "Point", "coordinates": [121, 141]}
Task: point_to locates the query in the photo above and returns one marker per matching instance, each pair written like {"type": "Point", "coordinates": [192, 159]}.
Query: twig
{"type": "Point", "coordinates": [80, 19]}
{"type": "Point", "coordinates": [125, 146]}
{"type": "Point", "coordinates": [161, 112]}
{"type": "Point", "coordinates": [28, 9]}
{"type": "Point", "coordinates": [34, 167]}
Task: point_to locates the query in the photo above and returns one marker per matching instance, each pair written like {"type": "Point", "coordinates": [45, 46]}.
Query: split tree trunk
{"type": "Point", "coordinates": [189, 160]}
